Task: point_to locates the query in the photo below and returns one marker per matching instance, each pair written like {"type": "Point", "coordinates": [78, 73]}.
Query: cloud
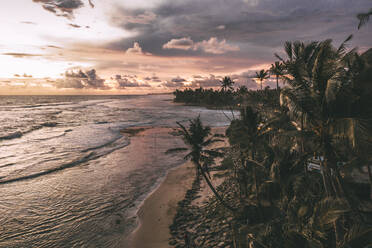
{"type": "Point", "coordinates": [24, 75]}
{"type": "Point", "coordinates": [183, 44]}
{"type": "Point", "coordinates": [21, 55]}
{"type": "Point", "coordinates": [209, 46]}
{"type": "Point", "coordinates": [29, 23]}
{"type": "Point", "coordinates": [81, 80]}
{"type": "Point", "coordinates": [55, 47]}
{"type": "Point", "coordinates": [215, 47]}
{"type": "Point", "coordinates": [206, 82]}
{"type": "Point", "coordinates": [247, 79]}
{"type": "Point", "coordinates": [136, 49]}
{"type": "Point", "coordinates": [171, 84]}
{"type": "Point", "coordinates": [153, 79]}
{"type": "Point", "coordinates": [178, 79]}
{"type": "Point", "coordinates": [128, 82]}
{"type": "Point", "coordinates": [74, 25]}
{"type": "Point", "coordinates": [145, 17]}
{"type": "Point", "coordinates": [63, 8]}
{"type": "Point", "coordinates": [259, 28]}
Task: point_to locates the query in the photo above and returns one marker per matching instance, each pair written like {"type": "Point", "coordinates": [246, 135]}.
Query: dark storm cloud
{"type": "Point", "coordinates": [61, 7]}
{"type": "Point", "coordinates": [127, 81]}
{"type": "Point", "coordinates": [81, 80]}
{"type": "Point", "coordinates": [257, 27]}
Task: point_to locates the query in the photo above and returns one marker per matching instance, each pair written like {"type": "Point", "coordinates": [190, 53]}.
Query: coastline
{"type": "Point", "coordinates": [159, 208]}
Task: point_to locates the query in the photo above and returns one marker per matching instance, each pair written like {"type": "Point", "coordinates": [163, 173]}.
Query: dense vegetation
{"type": "Point", "coordinates": [269, 196]}
{"type": "Point", "coordinates": [230, 98]}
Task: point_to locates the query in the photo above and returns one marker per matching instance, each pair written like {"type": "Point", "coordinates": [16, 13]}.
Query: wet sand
{"type": "Point", "coordinates": [159, 209]}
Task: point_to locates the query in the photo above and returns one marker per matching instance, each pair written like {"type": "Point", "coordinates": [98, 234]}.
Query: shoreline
{"type": "Point", "coordinates": [157, 211]}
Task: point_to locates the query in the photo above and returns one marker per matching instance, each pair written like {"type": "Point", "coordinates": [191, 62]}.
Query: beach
{"type": "Point", "coordinates": [157, 212]}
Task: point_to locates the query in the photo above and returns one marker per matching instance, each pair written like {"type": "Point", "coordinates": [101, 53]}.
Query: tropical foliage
{"type": "Point", "coordinates": [323, 114]}
{"type": "Point", "coordinates": [262, 76]}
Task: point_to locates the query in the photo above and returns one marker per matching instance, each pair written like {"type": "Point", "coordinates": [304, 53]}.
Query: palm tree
{"type": "Point", "coordinates": [248, 136]}
{"type": "Point", "coordinates": [197, 138]}
{"type": "Point", "coordinates": [277, 70]}
{"type": "Point", "coordinates": [262, 75]}
{"type": "Point", "coordinates": [242, 90]}
{"type": "Point", "coordinates": [227, 84]}
{"type": "Point", "coordinates": [364, 18]}
{"type": "Point", "coordinates": [320, 98]}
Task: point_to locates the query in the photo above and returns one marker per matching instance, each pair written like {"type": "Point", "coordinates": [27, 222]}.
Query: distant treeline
{"type": "Point", "coordinates": [227, 98]}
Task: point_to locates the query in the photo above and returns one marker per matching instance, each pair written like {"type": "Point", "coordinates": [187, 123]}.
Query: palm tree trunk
{"type": "Point", "coordinates": [370, 179]}
{"type": "Point", "coordinates": [334, 190]}
{"type": "Point", "coordinates": [256, 186]}
{"type": "Point", "coordinates": [302, 139]}
{"type": "Point", "coordinates": [199, 167]}
{"type": "Point", "coordinates": [277, 82]}
{"type": "Point", "coordinates": [261, 84]}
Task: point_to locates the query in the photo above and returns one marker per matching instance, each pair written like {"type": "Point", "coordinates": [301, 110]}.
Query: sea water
{"type": "Point", "coordinates": [69, 178]}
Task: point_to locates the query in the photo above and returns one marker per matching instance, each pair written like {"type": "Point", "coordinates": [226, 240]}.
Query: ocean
{"type": "Point", "coordinates": [70, 178]}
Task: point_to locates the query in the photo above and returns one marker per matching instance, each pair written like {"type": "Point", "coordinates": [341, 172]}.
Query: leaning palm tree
{"type": "Point", "coordinates": [277, 70]}
{"type": "Point", "coordinates": [227, 84]}
{"type": "Point", "coordinates": [262, 75]}
{"type": "Point", "coordinates": [198, 137]}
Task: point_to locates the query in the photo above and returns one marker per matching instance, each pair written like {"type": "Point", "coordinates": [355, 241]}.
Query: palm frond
{"type": "Point", "coordinates": [211, 141]}
{"type": "Point", "coordinates": [341, 49]}
{"type": "Point", "coordinates": [364, 18]}
{"type": "Point", "coordinates": [176, 150]}
{"type": "Point", "coordinates": [213, 153]}
{"type": "Point", "coordinates": [358, 237]}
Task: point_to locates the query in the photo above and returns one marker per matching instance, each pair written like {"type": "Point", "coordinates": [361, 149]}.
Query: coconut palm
{"type": "Point", "coordinates": [262, 75]}
{"type": "Point", "coordinates": [277, 70]}
{"type": "Point", "coordinates": [242, 90]}
{"type": "Point", "coordinates": [364, 18]}
{"type": "Point", "coordinates": [227, 84]}
{"type": "Point", "coordinates": [198, 137]}
{"type": "Point", "coordinates": [319, 97]}
{"type": "Point", "coordinates": [248, 137]}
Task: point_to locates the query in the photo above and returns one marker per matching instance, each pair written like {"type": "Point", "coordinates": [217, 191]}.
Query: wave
{"type": "Point", "coordinates": [10, 136]}
{"type": "Point", "coordinates": [103, 145]}
{"type": "Point", "coordinates": [42, 173]}
{"type": "Point", "coordinates": [90, 156]}
{"type": "Point", "coordinates": [6, 165]}
{"type": "Point", "coordinates": [19, 134]}
{"type": "Point", "coordinates": [49, 124]}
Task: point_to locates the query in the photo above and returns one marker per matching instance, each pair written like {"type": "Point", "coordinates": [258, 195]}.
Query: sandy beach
{"type": "Point", "coordinates": [158, 210]}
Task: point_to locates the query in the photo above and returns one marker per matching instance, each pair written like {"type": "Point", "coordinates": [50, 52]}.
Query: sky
{"type": "Point", "coordinates": [153, 46]}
